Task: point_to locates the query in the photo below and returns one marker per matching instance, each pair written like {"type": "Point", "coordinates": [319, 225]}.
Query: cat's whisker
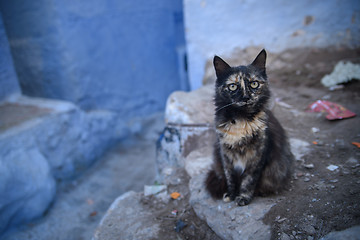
{"type": "Point", "coordinates": [227, 105]}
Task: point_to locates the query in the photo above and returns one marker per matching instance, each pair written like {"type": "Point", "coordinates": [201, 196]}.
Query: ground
{"type": "Point", "coordinates": [319, 200]}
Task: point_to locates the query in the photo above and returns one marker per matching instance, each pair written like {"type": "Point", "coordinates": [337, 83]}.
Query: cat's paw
{"type": "Point", "coordinates": [243, 200]}
{"type": "Point", "coordinates": [227, 197]}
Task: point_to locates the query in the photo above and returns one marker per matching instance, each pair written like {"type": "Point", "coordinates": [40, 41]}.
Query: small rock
{"type": "Point", "coordinates": [309, 166]}
{"type": "Point", "coordinates": [334, 181]}
{"type": "Point", "coordinates": [332, 167]}
{"type": "Point", "coordinates": [284, 236]}
{"type": "Point", "coordinates": [355, 166]}
{"type": "Point", "coordinates": [306, 179]}
{"type": "Point", "coordinates": [340, 143]}
{"type": "Point", "coordinates": [352, 161]}
{"type": "Point", "coordinates": [315, 130]}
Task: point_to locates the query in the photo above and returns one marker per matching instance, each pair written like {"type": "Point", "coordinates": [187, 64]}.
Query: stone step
{"type": "Point", "coordinates": [44, 141]}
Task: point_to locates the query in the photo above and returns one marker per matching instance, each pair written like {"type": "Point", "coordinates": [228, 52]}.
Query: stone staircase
{"type": "Point", "coordinates": [44, 141]}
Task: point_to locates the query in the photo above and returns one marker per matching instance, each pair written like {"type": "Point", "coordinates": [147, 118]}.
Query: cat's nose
{"type": "Point", "coordinates": [245, 98]}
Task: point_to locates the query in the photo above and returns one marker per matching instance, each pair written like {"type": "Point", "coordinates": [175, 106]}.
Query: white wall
{"type": "Point", "coordinates": [219, 26]}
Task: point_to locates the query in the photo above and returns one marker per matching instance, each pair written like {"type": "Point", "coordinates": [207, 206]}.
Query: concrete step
{"type": "Point", "coordinates": [81, 203]}
{"type": "Point", "coordinates": [44, 141]}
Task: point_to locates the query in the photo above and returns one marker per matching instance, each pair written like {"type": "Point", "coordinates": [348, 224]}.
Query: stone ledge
{"type": "Point", "coordinates": [43, 141]}
{"type": "Point", "coordinates": [135, 221]}
{"type": "Point", "coordinates": [228, 220]}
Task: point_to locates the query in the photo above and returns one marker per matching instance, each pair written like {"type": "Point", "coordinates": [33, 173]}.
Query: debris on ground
{"type": "Point", "coordinates": [174, 212]}
{"type": "Point", "coordinates": [335, 111]}
{"type": "Point", "coordinates": [175, 195]}
{"type": "Point", "coordinates": [342, 73]}
{"type": "Point", "coordinates": [180, 225]}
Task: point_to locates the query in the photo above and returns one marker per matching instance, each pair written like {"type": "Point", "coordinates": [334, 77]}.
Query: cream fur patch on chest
{"type": "Point", "coordinates": [233, 133]}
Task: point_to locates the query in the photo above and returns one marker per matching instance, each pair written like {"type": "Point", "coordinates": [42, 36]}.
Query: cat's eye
{"type": "Point", "coordinates": [254, 85]}
{"type": "Point", "coordinates": [232, 87]}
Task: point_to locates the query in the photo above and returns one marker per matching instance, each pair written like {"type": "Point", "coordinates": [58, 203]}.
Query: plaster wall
{"type": "Point", "coordinates": [218, 27]}
{"type": "Point", "coordinates": [115, 55]}
{"type": "Point", "coordinates": [9, 85]}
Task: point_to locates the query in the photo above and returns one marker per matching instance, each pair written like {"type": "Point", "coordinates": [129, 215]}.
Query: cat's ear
{"type": "Point", "coordinates": [220, 66]}
{"type": "Point", "coordinates": [260, 60]}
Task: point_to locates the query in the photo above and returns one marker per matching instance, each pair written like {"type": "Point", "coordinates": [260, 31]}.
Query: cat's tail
{"type": "Point", "coordinates": [215, 184]}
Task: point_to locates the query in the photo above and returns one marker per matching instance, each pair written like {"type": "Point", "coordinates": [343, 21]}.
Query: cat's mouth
{"type": "Point", "coordinates": [240, 104]}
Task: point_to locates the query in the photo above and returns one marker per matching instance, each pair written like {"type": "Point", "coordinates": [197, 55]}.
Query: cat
{"type": "Point", "coordinates": [252, 154]}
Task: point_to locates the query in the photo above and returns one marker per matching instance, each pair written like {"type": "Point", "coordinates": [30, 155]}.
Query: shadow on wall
{"type": "Point", "coordinates": [124, 56]}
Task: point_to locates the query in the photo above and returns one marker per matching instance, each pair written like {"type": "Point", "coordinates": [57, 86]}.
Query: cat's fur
{"type": "Point", "coordinates": [251, 154]}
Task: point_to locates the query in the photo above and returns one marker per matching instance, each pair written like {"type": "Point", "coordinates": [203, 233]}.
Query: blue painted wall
{"type": "Point", "coordinates": [118, 55]}
{"type": "Point", "coordinates": [8, 81]}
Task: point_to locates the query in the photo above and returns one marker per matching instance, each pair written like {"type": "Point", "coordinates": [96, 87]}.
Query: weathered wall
{"type": "Point", "coordinates": [219, 27]}
{"type": "Point", "coordinates": [8, 81]}
{"type": "Point", "coordinates": [114, 55]}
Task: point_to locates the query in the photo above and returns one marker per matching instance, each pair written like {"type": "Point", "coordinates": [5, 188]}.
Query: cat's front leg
{"type": "Point", "coordinates": [247, 188]}
{"type": "Point", "coordinates": [230, 181]}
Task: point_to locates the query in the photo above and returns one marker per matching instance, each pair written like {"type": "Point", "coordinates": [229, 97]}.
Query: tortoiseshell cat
{"type": "Point", "coordinates": [251, 154]}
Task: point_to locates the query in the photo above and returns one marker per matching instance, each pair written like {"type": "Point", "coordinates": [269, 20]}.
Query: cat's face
{"type": "Point", "coordinates": [243, 87]}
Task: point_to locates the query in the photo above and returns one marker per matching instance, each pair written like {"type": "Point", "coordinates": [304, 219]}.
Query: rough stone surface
{"type": "Point", "coordinates": [198, 161]}
{"type": "Point", "coordinates": [27, 186]}
{"type": "Point", "coordinates": [177, 141]}
{"type": "Point", "coordinates": [37, 150]}
{"type": "Point", "coordinates": [187, 128]}
{"type": "Point", "coordinates": [136, 221]}
{"type": "Point", "coordinates": [228, 220]}
{"type": "Point", "coordinates": [183, 107]}
{"type": "Point", "coordinates": [352, 233]}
